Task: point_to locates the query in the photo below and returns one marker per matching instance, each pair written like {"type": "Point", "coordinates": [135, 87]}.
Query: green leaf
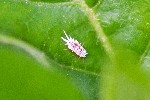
{"type": "Point", "coordinates": [116, 35]}
{"type": "Point", "coordinates": [23, 77]}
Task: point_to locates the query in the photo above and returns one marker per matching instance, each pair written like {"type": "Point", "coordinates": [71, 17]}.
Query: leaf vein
{"type": "Point", "coordinates": [96, 25]}
{"type": "Point", "coordinates": [142, 58]}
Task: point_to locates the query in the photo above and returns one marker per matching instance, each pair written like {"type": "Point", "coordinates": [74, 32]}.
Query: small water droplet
{"type": "Point", "coordinates": [147, 24]}
{"type": "Point", "coordinates": [26, 1]}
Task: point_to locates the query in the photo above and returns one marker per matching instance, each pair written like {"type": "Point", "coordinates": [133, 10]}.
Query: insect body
{"type": "Point", "coordinates": [74, 46]}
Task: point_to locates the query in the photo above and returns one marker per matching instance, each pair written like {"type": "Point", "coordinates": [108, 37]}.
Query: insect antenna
{"type": "Point", "coordinates": [66, 35]}
{"type": "Point", "coordinates": [64, 39]}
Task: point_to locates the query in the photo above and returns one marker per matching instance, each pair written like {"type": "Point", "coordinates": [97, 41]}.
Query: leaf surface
{"type": "Point", "coordinates": [116, 35]}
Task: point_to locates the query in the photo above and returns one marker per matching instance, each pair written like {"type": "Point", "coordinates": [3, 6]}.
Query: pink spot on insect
{"type": "Point", "coordinates": [74, 46]}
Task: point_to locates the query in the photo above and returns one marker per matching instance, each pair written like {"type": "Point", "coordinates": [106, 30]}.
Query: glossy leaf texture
{"type": "Point", "coordinates": [116, 35]}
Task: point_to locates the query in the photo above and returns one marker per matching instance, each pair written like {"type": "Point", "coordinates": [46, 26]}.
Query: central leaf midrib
{"type": "Point", "coordinates": [96, 25]}
{"type": "Point", "coordinates": [142, 58]}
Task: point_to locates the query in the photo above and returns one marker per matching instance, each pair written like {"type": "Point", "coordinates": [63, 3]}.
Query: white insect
{"type": "Point", "coordinates": [74, 46]}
